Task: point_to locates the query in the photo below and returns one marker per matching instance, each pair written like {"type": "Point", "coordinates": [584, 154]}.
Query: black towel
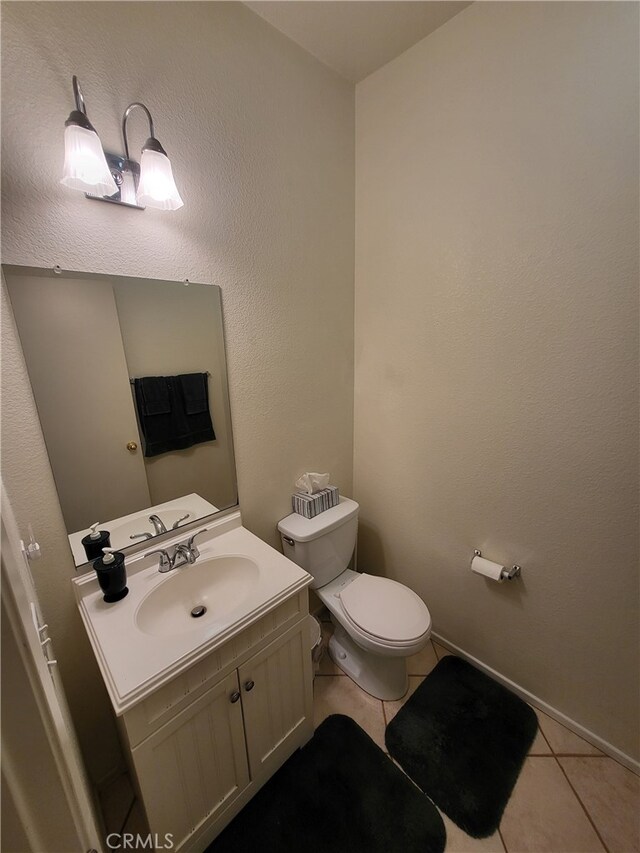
{"type": "Point", "coordinates": [195, 404]}
{"type": "Point", "coordinates": [165, 424]}
{"type": "Point", "coordinates": [194, 389]}
{"type": "Point", "coordinates": [154, 395]}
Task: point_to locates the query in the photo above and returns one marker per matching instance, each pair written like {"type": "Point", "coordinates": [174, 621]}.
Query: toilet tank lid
{"type": "Point", "coordinates": [302, 529]}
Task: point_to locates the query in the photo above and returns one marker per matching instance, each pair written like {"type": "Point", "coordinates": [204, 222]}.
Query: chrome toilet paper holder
{"type": "Point", "coordinates": [505, 574]}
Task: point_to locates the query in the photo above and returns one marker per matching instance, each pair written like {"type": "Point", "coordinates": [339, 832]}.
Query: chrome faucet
{"type": "Point", "coordinates": [158, 524]}
{"type": "Point", "coordinates": [184, 554]}
{"type": "Point", "coordinates": [166, 560]}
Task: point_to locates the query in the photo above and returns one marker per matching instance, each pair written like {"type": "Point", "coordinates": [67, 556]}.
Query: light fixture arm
{"type": "Point", "coordinates": [79, 97]}
{"type": "Point", "coordinates": [126, 115]}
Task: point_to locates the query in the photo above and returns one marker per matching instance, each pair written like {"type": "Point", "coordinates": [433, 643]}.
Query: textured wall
{"type": "Point", "coordinates": [496, 342]}
{"type": "Point", "coordinates": [261, 138]}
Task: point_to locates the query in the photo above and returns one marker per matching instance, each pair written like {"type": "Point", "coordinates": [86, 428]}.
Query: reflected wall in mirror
{"type": "Point", "coordinates": [85, 339]}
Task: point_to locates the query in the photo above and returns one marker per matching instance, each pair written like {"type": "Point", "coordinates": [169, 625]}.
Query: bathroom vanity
{"type": "Point", "coordinates": [209, 707]}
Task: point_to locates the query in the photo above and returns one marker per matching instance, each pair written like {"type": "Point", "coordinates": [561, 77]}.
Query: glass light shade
{"type": "Point", "coordinates": [85, 166]}
{"type": "Point", "coordinates": [157, 187]}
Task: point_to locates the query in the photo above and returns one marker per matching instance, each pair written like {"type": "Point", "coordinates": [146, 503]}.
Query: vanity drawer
{"type": "Point", "coordinates": [169, 699]}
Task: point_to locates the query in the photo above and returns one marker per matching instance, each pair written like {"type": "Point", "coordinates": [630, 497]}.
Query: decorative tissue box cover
{"type": "Point", "coordinates": [311, 505]}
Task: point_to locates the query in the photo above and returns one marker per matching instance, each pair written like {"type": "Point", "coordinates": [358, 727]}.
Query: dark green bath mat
{"type": "Point", "coordinates": [463, 738]}
{"type": "Point", "coordinates": [338, 794]}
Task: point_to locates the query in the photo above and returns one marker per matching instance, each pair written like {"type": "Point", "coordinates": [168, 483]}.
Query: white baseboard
{"type": "Point", "coordinates": [589, 736]}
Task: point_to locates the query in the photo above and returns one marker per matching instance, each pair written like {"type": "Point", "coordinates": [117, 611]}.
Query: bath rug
{"type": "Point", "coordinates": [338, 794]}
{"type": "Point", "coordinates": [463, 738]}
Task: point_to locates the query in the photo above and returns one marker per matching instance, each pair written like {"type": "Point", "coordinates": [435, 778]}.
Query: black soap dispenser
{"type": "Point", "coordinates": [112, 575]}
{"type": "Point", "coordinates": [95, 541]}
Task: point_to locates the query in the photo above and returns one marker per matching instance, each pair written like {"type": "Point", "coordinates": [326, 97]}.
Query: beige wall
{"type": "Point", "coordinates": [496, 389]}
{"type": "Point", "coordinates": [261, 140]}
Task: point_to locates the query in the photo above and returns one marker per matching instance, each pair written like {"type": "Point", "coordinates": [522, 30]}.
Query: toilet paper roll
{"type": "Point", "coordinates": [485, 567]}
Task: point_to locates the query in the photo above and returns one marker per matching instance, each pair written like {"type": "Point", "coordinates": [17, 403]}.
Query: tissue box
{"type": "Point", "coordinates": [311, 505]}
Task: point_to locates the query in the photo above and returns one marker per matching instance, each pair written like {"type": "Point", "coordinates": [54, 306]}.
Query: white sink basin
{"type": "Point", "coordinates": [149, 636]}
{"type": "Point", "coordinates": [220, 584]}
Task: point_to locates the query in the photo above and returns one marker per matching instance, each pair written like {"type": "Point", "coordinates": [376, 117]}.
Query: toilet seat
{"type": "Point", "coordinates": [385, 611]}
{"type": "Point", "coordinates": [331, 595]}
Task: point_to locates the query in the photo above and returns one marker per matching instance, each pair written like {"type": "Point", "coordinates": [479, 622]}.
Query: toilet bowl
{"type": "Point", "coordinates": [378, 622]}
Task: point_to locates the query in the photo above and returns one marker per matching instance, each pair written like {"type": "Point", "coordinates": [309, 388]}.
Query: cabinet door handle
{"type": "Point", "coordinates": [249, 685]}
{"type": "Point", "coordinates": [234, 696]}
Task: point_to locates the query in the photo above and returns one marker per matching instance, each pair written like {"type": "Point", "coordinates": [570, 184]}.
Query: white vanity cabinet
{"type": "Point", "coordinates": [203, 743]}
{"type": "Point", "coordinates": [194, 765]}
{"type": "Point", "coordinates": [208, 708]}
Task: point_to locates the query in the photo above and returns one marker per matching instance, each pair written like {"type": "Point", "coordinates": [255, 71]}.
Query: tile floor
{"type": "Point", "coordinates": [570, 798]}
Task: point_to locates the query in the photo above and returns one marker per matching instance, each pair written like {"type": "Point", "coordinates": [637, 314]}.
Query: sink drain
{"type": "Point", "coordinates": [200, 610]}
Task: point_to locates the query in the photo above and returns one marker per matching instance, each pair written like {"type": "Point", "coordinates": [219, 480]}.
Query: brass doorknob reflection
{"type": "Point", "coordinates": [132, 446]}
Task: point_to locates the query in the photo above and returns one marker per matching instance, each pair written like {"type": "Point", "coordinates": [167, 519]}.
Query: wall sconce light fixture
{"type": "Point", "coordinates": [112, 177]}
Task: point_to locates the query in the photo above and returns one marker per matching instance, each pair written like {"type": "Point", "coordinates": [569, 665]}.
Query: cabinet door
{"type": "Point", "coordinates": [277, 699]}
{"type": "Point", "coordinates": [195, 765]}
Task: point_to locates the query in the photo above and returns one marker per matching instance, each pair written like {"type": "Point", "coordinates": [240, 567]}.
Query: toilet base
{"type": "Point", "coordinates": [383, 677]}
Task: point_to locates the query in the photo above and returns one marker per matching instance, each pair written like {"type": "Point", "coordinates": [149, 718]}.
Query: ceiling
{"type": "Point", "coordinates": [358, 36]}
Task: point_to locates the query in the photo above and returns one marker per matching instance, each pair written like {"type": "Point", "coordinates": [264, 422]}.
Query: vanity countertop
{"type": "Point", "coordinates": [135, 662]}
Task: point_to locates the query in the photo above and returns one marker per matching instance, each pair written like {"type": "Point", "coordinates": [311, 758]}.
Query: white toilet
{"type": "Point", "coordinates": [378, 622]}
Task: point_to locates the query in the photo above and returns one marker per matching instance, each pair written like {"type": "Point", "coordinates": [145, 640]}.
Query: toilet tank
{"type": "Point", "coordinates": [323, 545]}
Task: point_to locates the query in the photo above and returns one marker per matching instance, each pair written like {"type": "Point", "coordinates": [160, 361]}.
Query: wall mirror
{"type": "Point", "coordinates": [130, 381]}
